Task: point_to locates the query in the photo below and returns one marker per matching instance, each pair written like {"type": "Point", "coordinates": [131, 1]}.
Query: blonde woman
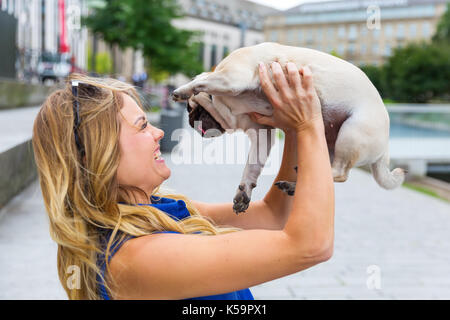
{"type": "Point", "coordinates": [100, 173]}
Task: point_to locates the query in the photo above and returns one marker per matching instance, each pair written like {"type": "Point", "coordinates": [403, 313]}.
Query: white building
{"type": "Point", "coordinates": [225, 26]}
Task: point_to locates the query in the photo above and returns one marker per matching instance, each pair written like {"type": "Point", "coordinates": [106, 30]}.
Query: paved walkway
{"type": "Point", "coordinates": [395, 242]}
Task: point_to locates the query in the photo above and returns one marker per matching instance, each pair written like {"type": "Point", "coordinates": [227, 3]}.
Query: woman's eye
{"type": "Point", "coordinates": [144, 125]}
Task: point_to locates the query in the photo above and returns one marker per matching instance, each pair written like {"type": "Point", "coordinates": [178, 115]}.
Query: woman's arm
{"type": "Point", "coordinates": [278, 202]}
{"type": "Point", "coordinates": [269, 213]}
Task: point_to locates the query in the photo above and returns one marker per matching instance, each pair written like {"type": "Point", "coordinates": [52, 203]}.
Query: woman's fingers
{"type": "Point", "coordinates": [261, 119]}
{"type": "Point", "coordinates": [267, 86]}
{"type": "Point", "coordinates": [307, 79]}
{"type": "Point", "coordinates": [294, 76]}
{"type": "Point", "coordinates": [281, 81]}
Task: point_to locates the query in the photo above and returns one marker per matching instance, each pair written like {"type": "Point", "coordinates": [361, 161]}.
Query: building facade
{"type": "Point", "coordinates": [359, 31]}
{"type": "Point", "coordinates": [225, 26]}
{"type": "Point", "coordinates": [39, 30]}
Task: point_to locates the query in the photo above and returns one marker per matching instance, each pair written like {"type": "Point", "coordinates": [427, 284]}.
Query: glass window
{"type": "Point", "coordinates": [426, 30]}
{"type": "Point", "coordinates": [400, 30]}
{"type": "Point", "coordinates": [213, 55]}
{"type": "Point", "coordinates": [363, 49]}
{"type": "Point", "coordinates": [309, 35]}
{"type": "Point", "coordinates": [351, 48]}
{"type": "Point", "coordinates": [330, 33]}
{"type": "Point", "coordinates": [226, 51]}
{"type": "Point", "coordinates": [388, 30]}
{"type": "Point", "coordinates": [387, 50]}
{"type": "Point", "coordinates": [274, 36]}
{"type": "Point", "coordinates": [352, 32]}
{"type": "Point", "coordinates": [319, 34]}
{"type": "Point", "coordinates": [413, 30]}
{"type": "Point", "coordinates": [290, 36]}
{"type": "Point", "coordinates": [341, 32]}
{"type": "Point", "coordinates": [300, 36]}
{"type": "Point", "coordinates": [375, 49]}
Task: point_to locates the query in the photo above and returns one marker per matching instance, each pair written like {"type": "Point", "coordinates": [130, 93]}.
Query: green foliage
{"type": "Point", "coordinates": [375, 75]}
{"type": "Point", "coordinates": [418, 72]}
{"type": "Point", "coordinates": [334, 53]}
{"type": "Point", "coordinates": [443, 28]}
{"type": "Point", "coordinates": [103, 62]}
{"type": "Point", "coordinates": [146, 25]}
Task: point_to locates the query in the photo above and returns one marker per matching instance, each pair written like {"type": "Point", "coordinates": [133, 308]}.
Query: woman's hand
{"type": "Point", "coordinates": [296, 105]}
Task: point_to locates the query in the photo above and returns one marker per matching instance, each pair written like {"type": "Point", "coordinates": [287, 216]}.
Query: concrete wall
{"type": "Point", "coordinates": [14, 94]}
{"type": "Point", "coordinates": [17, 170]}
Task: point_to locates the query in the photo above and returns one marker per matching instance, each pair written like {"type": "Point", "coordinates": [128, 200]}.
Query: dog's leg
{"type": "Point", "coordinates": [215, 83]}
{"type": "Point", "coordinates": [287, 186]}
{"type": "Point", "coordinates": [351, 144]}
{"type": "Point", "coordinates": [261, 144]}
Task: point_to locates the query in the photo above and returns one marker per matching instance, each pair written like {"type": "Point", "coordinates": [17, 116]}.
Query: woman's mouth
{"type": "Point", "coordinates": [158, 157]}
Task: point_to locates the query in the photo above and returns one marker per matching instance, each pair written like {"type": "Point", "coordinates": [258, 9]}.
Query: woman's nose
{"type": "Point", "coordinates": [158, 134]}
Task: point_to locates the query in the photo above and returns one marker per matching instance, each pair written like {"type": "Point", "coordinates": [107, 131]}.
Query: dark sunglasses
{"type": "Point", "coordinates": [76, 112]}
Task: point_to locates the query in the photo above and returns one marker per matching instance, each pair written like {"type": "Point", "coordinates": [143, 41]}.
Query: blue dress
{"type": "Point", "coordinates": [177, 210]}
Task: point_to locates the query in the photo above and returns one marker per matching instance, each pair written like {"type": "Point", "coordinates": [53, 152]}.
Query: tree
{"type": "Point", "coordinates": [418, 72]}
{"type": "Point", "coordinates": [443, 28]}
{"type": "Point", "coordinates": [146, 25]}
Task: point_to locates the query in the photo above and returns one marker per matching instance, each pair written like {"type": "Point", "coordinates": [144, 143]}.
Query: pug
{"type": "Point", "coordinates": [355, 119]}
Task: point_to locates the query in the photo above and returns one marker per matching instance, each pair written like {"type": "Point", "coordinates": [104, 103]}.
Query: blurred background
{"type": "Point", "coordinates": [389, 244]}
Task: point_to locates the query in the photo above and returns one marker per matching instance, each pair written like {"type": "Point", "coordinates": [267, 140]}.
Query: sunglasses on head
{"type": "Point", "coordinates": [90, 91]}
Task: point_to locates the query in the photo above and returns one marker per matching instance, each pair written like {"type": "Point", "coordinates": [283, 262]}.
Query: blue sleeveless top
{"type": "Point", "coordinates": [177, 210]}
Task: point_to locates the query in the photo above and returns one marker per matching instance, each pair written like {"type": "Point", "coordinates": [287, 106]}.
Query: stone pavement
{"type": "Point", "coordinates": [388, 244]}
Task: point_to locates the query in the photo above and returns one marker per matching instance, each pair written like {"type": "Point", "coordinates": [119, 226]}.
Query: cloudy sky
{"type": "Point", "coordinates": [284, 4]}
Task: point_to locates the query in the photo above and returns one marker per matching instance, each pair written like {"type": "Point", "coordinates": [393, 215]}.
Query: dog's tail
{"type": "Point", "coordinates": [384, 177]}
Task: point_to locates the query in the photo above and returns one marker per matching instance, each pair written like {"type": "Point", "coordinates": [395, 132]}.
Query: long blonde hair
{"type": "Point", "coordinates": [82, 196]}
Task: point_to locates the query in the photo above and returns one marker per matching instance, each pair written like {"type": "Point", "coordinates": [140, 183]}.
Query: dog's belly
{"type": "Point", "coordinates": [333, 118]}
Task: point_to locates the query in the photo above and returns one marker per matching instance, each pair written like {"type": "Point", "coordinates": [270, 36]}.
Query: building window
{"type": "Point", "coordinates": [352, 32]}
{"type": "Point", "coordinates": [330, 33]}
{"type": "Point", "coordinates": [300, 36]}
{"type": "Point", "coordinates": [274, 36]}
{"type": "Point", "coordinates": [226, 51]}
{"type": "Point", "coordinates": [413, 30]}
{"type": "Point", "coordinates": [213, 56]}
{"type": "Point", "coordinates": [426, 29]}
{"type": "Point", "coordinates": [388, 30]}
{"type": "Point", "coordinates": [290, 36]}
{"type": "Point", "coordinates": [363, 30]}
{"type": "Point", "coordinates": [400, 31]}
{"type": "Point", "coordinates": [341, 49]}
{"type": "Point", "coordinates": [363, 49]}
{"type": "Point", "coordinates": [341, 32]}
{"type": "Point", "coordinates": [375, 49]}
{"type": "Point", "coordinates": [387, 50]}
{"type": "Point", "coordinates": [309, 36]}
{"type": "Point", "coordinates": [201, 50]}
{"type": "Point", "coordinates": [351, 49]}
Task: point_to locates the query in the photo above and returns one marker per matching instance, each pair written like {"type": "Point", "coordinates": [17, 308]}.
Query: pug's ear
{"type": "Point", "coordinates": [188, 107]}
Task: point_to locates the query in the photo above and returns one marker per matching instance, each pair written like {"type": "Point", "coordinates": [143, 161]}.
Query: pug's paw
{"type": "Point", "coordinates": [286, 186]}
{"type": "Point", "coordinates": [242, 198]}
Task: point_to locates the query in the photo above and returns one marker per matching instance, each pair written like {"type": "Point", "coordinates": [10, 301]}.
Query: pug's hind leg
{"type": "Point", "coordinates": [286, 186]}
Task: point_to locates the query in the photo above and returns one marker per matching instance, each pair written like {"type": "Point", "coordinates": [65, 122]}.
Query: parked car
{"type": "Point", "coordinates": [53, 66]}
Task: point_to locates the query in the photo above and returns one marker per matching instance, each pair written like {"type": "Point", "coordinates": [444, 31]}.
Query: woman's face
{"type": "Point", "coordinates": [139, 145]}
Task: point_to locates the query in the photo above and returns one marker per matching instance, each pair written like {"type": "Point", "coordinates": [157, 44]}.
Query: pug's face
{"type": "Point", "coordinates": [200, 119]}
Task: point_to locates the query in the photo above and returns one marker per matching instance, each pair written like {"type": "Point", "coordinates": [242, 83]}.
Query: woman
{"type": "Point", "coordinates": [100, 173]}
